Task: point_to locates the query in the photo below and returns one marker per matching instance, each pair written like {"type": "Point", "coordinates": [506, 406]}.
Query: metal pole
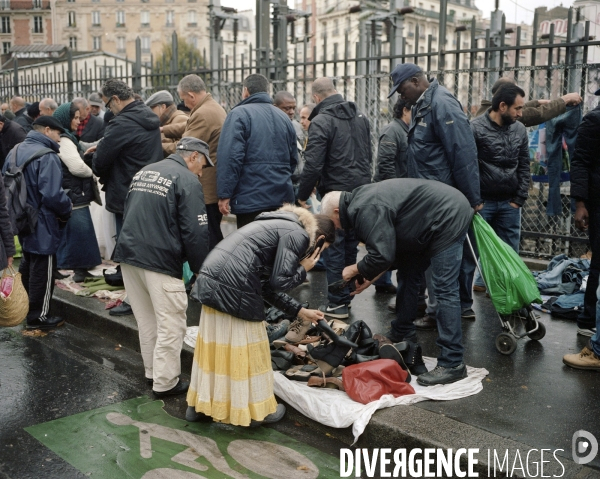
{"type": "Point", "coordinates": [442, 40]}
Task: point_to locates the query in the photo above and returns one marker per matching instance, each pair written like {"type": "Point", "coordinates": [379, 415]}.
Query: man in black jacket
{"type": "Point", "coordinates": [503, 154]}
{"type": "Point", "coordinates": [131, 141]}
{"type": "Point", "coordinates": [11, 134]}
{"type": "Point", "coordinates": [338, 156]}
{"type": "Point", "coordinates": [164, 225]}
{"type": "Point", "coordinates": [408, 224]}
{"type": "Point", "coordinates": [585, 190]}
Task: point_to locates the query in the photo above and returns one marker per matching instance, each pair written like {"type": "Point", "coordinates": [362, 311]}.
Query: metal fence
{"type": "Point", "coordinates": [544, 70]}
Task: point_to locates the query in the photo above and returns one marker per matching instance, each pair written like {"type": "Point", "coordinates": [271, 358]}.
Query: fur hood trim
{"type": "Point", "coordinates": [306, 218]}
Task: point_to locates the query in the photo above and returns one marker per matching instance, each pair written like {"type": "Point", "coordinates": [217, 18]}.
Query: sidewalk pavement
{"type": "Point", "coordinates": [529, 401]}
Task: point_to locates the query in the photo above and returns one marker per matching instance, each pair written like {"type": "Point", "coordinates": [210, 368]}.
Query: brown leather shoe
{"type": "Point", "coordinates": [425, 323]}
{"type": "Point", "coordinates": [479, 289]}
{"type": "Point", "coordinates": [381, 339]}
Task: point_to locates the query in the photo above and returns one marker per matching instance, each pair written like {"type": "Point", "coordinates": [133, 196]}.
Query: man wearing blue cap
{"type": "Point", "coordinates": [441, 147]}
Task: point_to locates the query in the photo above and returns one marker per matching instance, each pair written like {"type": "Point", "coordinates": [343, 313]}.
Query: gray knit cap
{"type": "Point", "coordinates": [159, 98]}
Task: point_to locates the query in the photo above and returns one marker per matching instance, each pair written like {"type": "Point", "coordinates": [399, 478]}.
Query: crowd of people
{"type": "Point", "coordinates": [169, 173]}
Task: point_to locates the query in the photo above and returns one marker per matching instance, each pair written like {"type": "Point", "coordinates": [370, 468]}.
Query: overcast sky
{"type": "Point", "coordinates": [516, 11]}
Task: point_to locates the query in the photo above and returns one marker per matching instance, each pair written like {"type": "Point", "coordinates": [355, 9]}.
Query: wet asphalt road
{"type": "Point", "coordinates": [68, 372]}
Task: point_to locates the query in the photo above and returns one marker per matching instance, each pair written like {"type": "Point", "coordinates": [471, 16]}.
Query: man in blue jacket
{"type": "Point", "coordinates": [441, 147]}
{"type": "Point", "coordinates": [43, 177]}
{"type": "Point", "coordinates": [257, 155]}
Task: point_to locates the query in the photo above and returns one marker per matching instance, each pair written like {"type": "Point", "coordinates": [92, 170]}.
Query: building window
{"type": "Point", "coordinates": [73, 43]}
{"type": "Point", "coordinates": [169, 18]}
{"type": "Point", "coordinates": [121, 44]}
{"type": "Point", "coordinates": [71, 17]}
{"type": "Point", "coordinates": [37, 25]}
{"type": "Point", "coordinates": [120, 18]}
{"type": "Point", "coordinates": [194, 41]}
{"type": "Point", "coordinates": [5, 24]}
{"type": "Point", "coordinates": [145, 18]}
{"type": "Point", "coordinates": [5, 47]}
{"type": "Point", "coordinates": [37, 3]}
{"type": "Point", "coordinates": [97, 43]}
{"type": "Point", "coordinates": [336, 27]}
{"type": "Point", "coordinates": [192, 18]}
{"type": "Point", "coordinates": [95, 1]}
{"type": "Point", "coordinates": [145, 41]}
{"type": "Point", "coordinates": [70, 1]}
{"type": "Point", "coordinates": [4, 4]}
{"type": "Point", "coordinates": [96, 19]}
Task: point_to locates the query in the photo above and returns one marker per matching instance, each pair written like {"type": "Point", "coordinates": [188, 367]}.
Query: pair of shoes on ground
{"type": "Point", "coordinates": [411, 352]}
{"type": "Point", "coordinates": [45, 324]}
{"type": "Point", "coordinates": [585, 359]}
{"type": "Point", "coordinates": [180, 388]}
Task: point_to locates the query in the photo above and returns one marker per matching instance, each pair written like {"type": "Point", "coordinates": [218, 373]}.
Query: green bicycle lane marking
{"type": "Point", "coordinates": [137, 439]}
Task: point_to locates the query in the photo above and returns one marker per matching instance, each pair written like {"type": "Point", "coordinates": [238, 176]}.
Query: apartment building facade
{"type": "Point", "coordinates": [25, 22]}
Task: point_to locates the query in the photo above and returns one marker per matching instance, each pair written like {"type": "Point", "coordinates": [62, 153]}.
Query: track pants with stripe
{"type": "Point", "coordinates": [36, 273]}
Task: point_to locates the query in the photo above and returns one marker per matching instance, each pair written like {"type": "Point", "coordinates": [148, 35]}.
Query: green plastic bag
{"type": "Point", "coordinates": [187, 273]}
{"type": "Point", "coordinates": [509, 282]}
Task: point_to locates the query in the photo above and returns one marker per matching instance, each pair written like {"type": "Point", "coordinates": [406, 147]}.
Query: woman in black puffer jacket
{"type": "Point", "coordinates": [232, 378]}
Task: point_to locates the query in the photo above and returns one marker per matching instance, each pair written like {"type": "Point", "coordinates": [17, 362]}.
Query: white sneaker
{"type": "Point", "coordinates": [586, 332]}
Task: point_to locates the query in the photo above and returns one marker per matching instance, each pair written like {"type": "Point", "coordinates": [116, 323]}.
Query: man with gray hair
{"type": "Point", "coordinates": [338, 156]}
{"type": "Point", "coordinates": [257, 155]}
{"type": "Point", "coordinates": [408, 224]}
{"type": "Point", "coordinates": [205, 123]}
{"type": "Point", "coordinates": [91, 128]}
{"type": "Point", "coordinates": [164, 225]}
{"type": "Point", "coordinates": [47, 107]}
{"type": "Point", "coordinates": [131, 141]}
{"type": "Point", "coordinates": [19, 108]}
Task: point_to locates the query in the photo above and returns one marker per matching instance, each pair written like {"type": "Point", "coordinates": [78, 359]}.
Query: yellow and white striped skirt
{"type": "Point", "coordinates": [232, 377]}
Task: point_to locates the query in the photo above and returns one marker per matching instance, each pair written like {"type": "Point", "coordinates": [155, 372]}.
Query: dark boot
{"type": "Point", "coordinates": [323, 326]}
{"type": "Point", "coordinates": [360, 333]}
{"type": "Point", "coordinates": [328, 357]}
{"type": "Point", "coordinates": [413, 357]}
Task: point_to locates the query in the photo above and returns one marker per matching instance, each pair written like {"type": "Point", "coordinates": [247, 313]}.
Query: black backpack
{"type": "Point", "coordinates": [23, 216]}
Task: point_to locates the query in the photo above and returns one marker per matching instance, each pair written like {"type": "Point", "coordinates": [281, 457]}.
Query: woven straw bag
{"type": "Point", "coordinates": [15, 307]}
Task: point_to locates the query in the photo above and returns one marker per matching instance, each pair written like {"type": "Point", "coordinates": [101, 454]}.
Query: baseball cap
{"type": "Point", "coordinates": [401, 73]}
{"type": "Point", "coordinates": [49, 121]}
{"type": "Point", "coordinates": [189, 143]}
{"type": "Point", "coordinates": [95, 100]}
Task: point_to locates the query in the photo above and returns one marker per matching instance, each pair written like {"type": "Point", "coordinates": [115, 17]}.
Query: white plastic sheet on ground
{"type": "Point", "coordinates": [335, 408]}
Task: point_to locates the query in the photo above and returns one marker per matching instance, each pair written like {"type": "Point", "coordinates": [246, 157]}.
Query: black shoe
{"type": "Point", "coordinates": [180, 388]}
{"type": "Point", "coordinates": [80, 275]}
{"type": "Point", "coordinates": [385, 289]}
{"type": "Point", "coordinates": [426, 323]}
{"type": "Point", "coordinates": [56, 274]}
{"type": "Point", "coordinates": [276, 331]}
{"type": "Point", "coordinates": [441, 375]}
{"type": "Point", "coordinates": [393, 336]}
{"type": "Point", "coordinates": [391, 351]}
{"type": "Point", "coordinates": [122, 310]}
{"type": "Point", "coordinates": [149, 381]}
{"type": "Point", "coordinates": [45, 324]}
{"type": "Point", "coordinates": [327, 357]}
{"type": "Point", "coordinates": [192, 416]}
{"type": "Point", "coordinates": [324, 327]}
{"type": "Point", "coordinates": [413, 357]}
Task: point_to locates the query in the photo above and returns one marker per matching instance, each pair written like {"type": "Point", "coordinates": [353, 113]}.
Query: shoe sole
{"type": "Point", "coordinates": [336, 315]}
{"type": "Point", "coordinates": [45, 328]}
{"type": "Point", "coordinates": [120, 314]}
{"type": "Point", "coordinates": [585, 333]}
{"type": "Point", "coordinates": [471, 316]}
{"type": "Point", "coordinates": [583, 368]}
{"type": "Point", "coordinates": [437, 384]}
{"type": "Point", "coordinates": [389, 351]}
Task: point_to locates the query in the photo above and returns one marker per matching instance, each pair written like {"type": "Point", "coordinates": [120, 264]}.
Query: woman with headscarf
{"type": "Point", "coordinates": [78, 248]}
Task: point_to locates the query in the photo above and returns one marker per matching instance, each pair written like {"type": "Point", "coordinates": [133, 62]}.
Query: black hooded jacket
{"type": "Point", "coordinates": [585, 165]}
{"type": "Point", "coordinates": [403, 217]}
{"type": "Point", "coordinates": [131, 141]}
{"type": "Point", "coordinates": [256, 262]}
{"type": "Point", "coordinates": [12, 134]}
{"type": "Point", "coordinates": [338, 154]}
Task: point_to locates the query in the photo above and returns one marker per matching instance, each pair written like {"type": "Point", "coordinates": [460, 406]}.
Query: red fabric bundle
{"type": "Point", "coordinates": [366, 382]}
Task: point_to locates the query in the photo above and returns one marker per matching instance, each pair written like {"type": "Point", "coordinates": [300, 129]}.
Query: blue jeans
{"type": "Point", "coordinates": [445, 269]}
{"type": "Point", "coordinates": [589, 316]}
{"type": "Point", "coordinates": [384, 280]}
{"type": "Point", "coordinates": [506, 222]}
{"type": "Point", "coordinates": [562, 127]}
{"type": "Point", "coordinates": [595, 341]}
{"type": "Point", "coordinates": [340, 254]}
